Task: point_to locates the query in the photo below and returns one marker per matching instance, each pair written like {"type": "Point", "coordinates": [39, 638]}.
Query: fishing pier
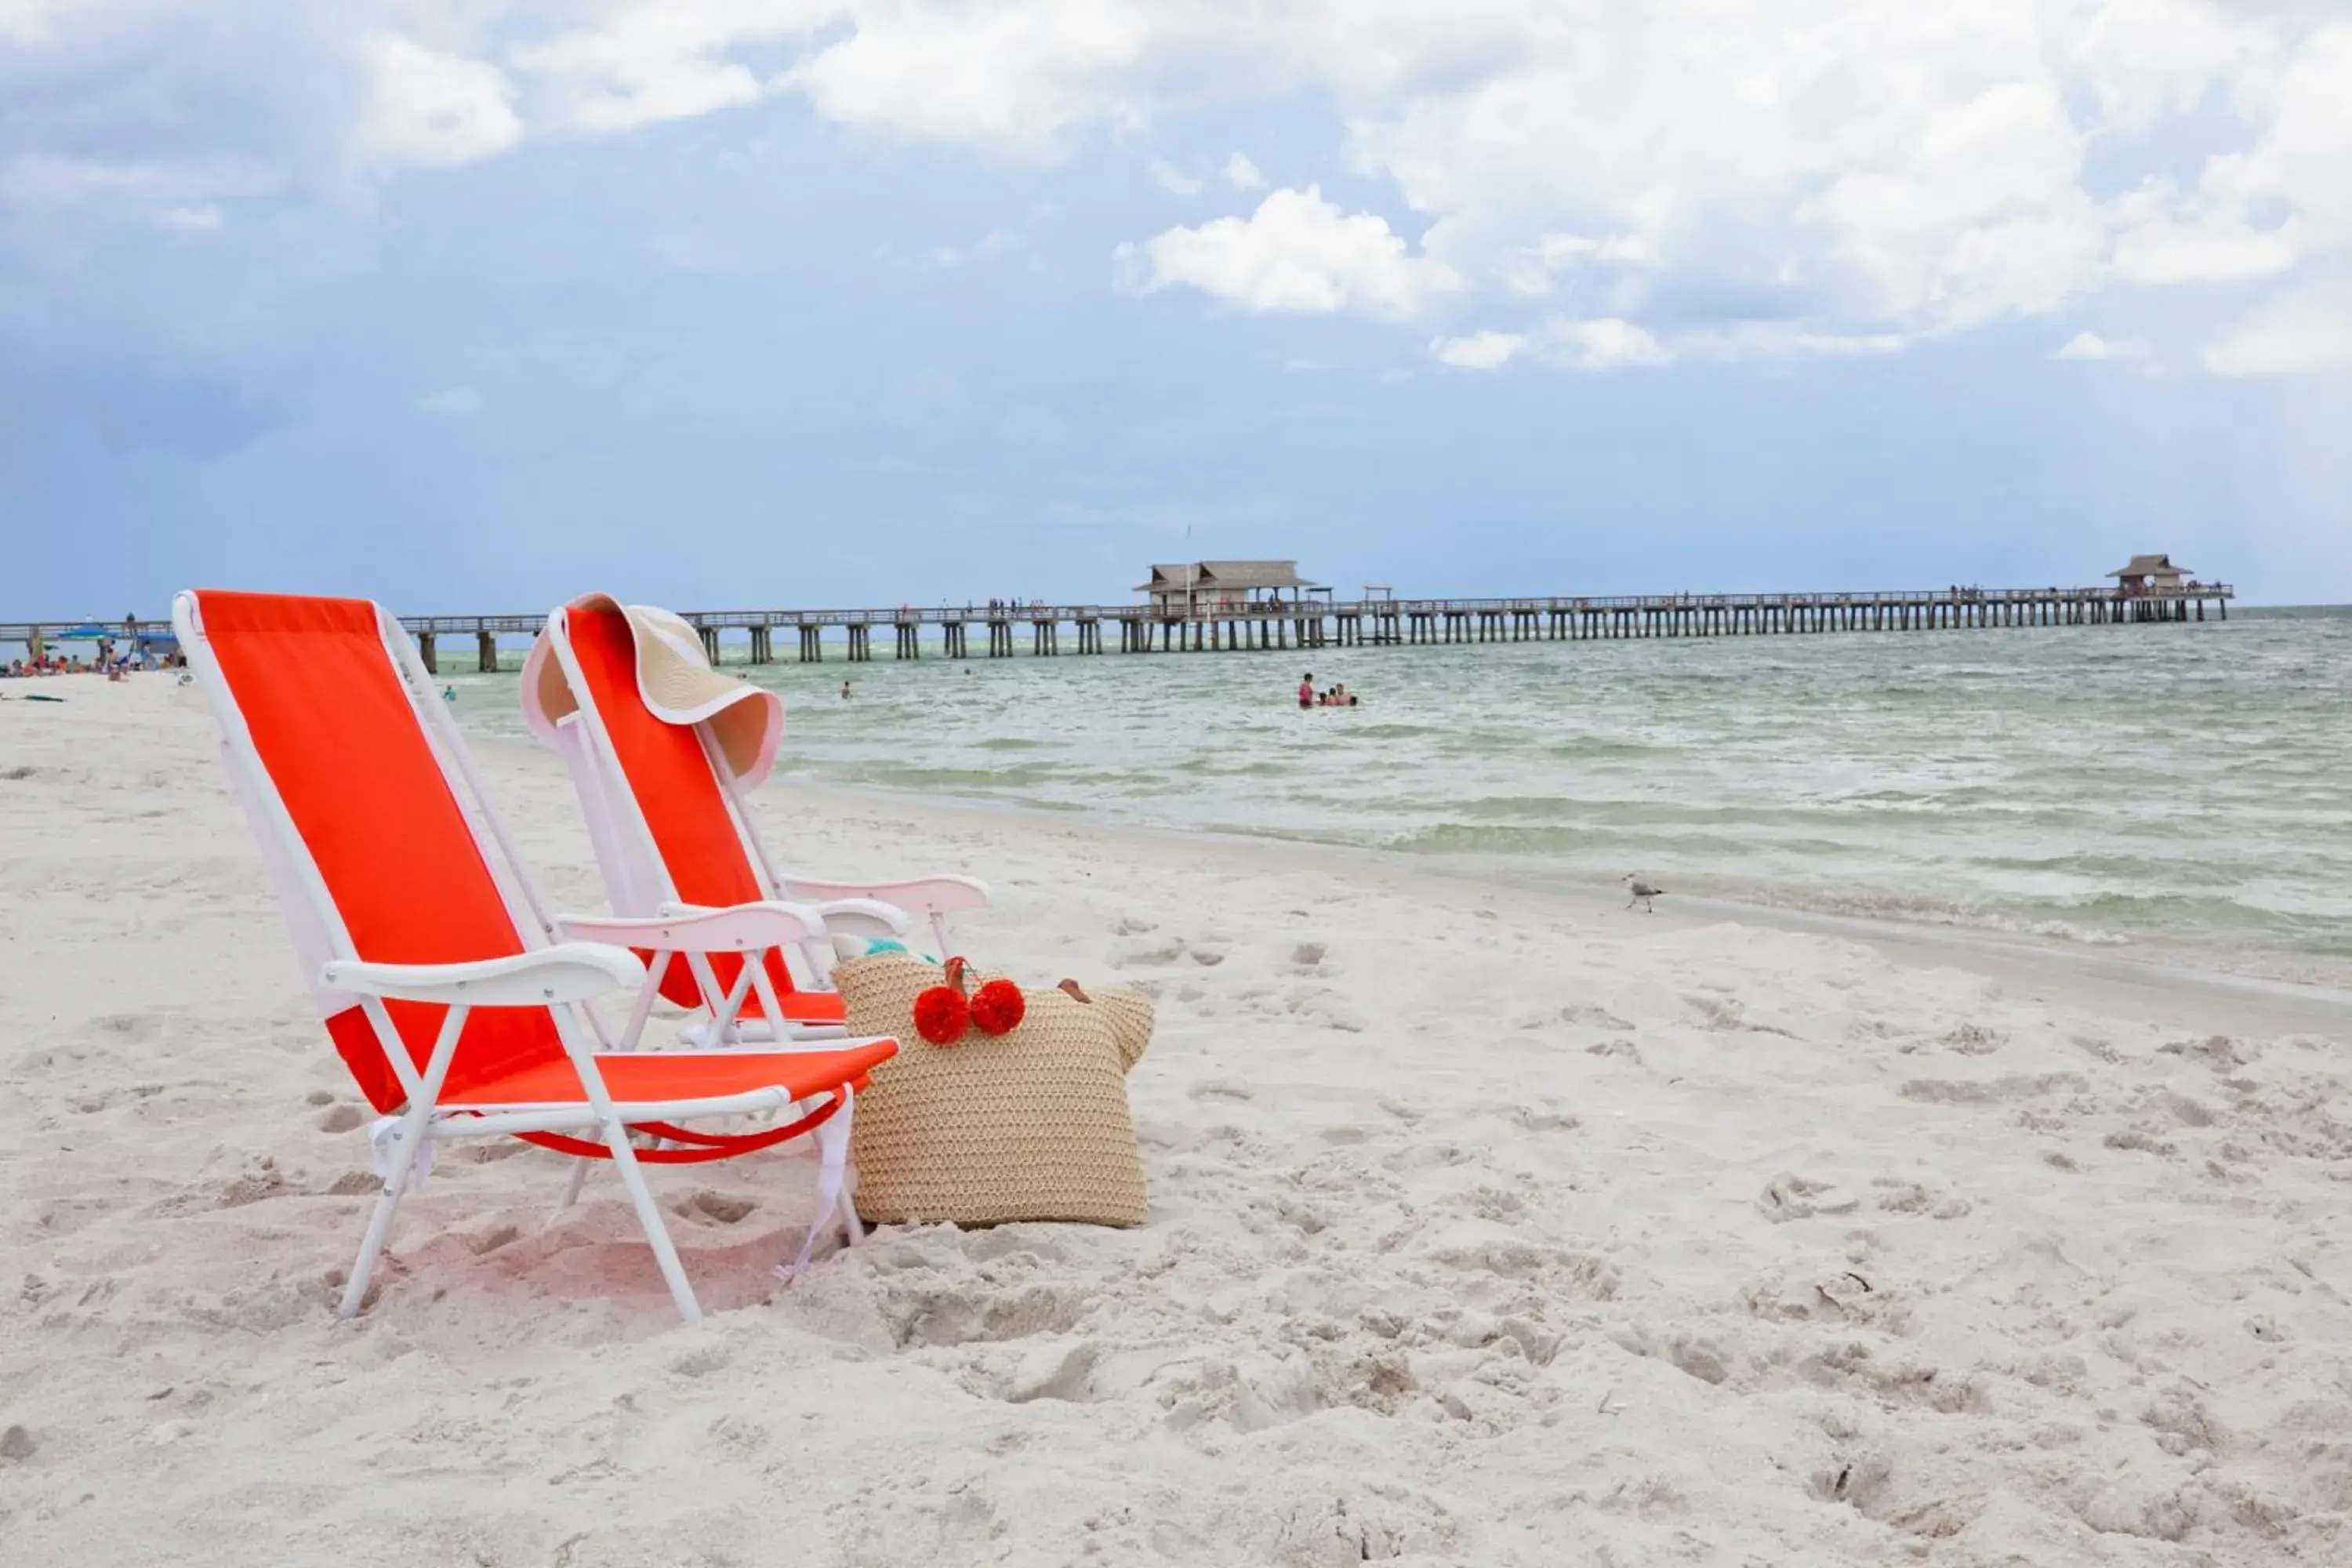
{"type": "Point", "coordinates": [1039, 630]}
{"type": "Point", "coordinates": [1236, 620]}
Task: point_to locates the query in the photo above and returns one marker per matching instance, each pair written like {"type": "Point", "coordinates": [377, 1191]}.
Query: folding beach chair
{"type": "Point", "coordinates": [456, 1001]}
{"type": "Point", "coordinates": [662, 751]}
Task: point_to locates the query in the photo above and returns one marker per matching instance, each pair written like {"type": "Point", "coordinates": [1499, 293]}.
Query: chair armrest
{"type": "Point", "coordinates": [917, 895]}
{"type": "Point", "coordinates": [567, 972]}
{"type": "Point", "coordinates": [694, 928]}
{"type": "Point", "coordinates": [818, 921]}
{"type": "Point", "coordinates": [864, 917]}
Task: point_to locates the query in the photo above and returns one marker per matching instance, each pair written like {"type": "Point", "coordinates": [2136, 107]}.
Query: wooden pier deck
{"type": "Point", "coordinates": [1364, 623]}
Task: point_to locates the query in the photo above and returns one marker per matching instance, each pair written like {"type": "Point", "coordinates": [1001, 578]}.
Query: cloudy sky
{"type": "Point", "coordinates": [469, 304]}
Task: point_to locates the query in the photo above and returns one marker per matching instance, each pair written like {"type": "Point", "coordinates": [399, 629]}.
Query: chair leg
{"type": "Point", "coordinates": [379, 1230]}
{"type": "Point", "coordinates": [571, 1185]}
{"type": "Point", "coordinates": [831, 1180]}
{"type": "Point", "coordinates": [649, 1215]}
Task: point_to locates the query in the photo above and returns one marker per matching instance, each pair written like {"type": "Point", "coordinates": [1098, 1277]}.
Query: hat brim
{"type": "Point", "coordinates": [675, 683]}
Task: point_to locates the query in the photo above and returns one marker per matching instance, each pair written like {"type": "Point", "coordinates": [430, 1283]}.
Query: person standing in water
{"type": "Point", "coordinates": [1306, 689]}
{"type": "Point", "coordinates": [845, 691]}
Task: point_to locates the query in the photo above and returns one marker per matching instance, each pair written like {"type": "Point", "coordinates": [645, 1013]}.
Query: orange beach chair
{"type": "Point", "coordinates": [662, 751]}
{"type": "Point", "coordinates": [460, 1005]}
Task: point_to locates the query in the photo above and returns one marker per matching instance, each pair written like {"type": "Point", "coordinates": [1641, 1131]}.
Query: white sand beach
{"type": "Point", "coordinates": [1489, 1226]}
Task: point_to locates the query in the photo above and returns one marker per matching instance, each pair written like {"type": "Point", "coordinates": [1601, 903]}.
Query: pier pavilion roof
{"type": "Point", "coordinates": [2150, 566]}
{"type": "Point", "coordinates": [1200, 576]}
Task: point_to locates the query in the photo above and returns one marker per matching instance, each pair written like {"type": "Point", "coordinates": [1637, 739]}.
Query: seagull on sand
{"type": "Point", "coordinates": [1642, 893]}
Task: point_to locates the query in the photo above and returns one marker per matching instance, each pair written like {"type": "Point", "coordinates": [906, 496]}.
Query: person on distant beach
{"type": "Point", "coordinates": [1306, 689]}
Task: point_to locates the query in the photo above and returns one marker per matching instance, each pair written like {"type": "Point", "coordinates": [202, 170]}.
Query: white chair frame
{"type": "Point", "coordinates": [564, 962]}
{"type": "Point", "coordinates": [636, 875]}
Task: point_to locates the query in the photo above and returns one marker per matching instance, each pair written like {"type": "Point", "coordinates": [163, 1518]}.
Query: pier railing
{"type": "Point", "coordinates": [1308, 623]}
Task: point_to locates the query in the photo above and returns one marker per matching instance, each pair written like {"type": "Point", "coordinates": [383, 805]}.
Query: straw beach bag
{"type": "Point", "coordinates": [1031, 1125]}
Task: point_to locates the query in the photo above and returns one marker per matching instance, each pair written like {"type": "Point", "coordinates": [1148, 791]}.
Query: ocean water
{"type": "Point", "coordinates": [2185, 791]}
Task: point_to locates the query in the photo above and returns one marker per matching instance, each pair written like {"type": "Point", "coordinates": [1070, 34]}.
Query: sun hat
{"type": "Point", "coordinates": [676, 682]}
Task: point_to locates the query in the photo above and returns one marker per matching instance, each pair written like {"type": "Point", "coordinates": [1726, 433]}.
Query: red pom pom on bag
{"type": "Point", "coordinates": [941, 1013]}
{"type": "Point", "coordinates": [998, 1007]}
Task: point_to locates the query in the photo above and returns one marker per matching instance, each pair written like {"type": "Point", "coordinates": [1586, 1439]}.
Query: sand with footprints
{"type": "Point", "coordinates": [1487, 1227]}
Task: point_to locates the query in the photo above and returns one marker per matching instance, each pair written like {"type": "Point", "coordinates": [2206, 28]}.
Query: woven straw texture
{"type": "Point", "coordinates": [1030, 1125]}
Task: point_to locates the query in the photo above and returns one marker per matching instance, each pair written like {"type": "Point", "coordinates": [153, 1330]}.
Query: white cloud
{"type": "Point", "coordinates": [1869, 171]}
{"type": "Point", "coordinates": [1981, 216]}
{"type": "Point", "coordinates": [2213, 249]}
{"type": "Point", "coordinates": [1170, 178]}
{"type": "Point", "coordinates": [1612, 343]}
{"type": "Point", "coordinates": [2091, 346]}
{"type": "Point", "coordinates": [190, 219]}
{"type": "Point", "coordinates": [2304, 112]}
{"type": "Point", "coordinates": [428, 109]}
{"type": "Point", "coordinates": [1799, 176]}
{"type": "Point", "coordinates": [1537, 268]}
{"type": "Point", "coordinates": [651, 62]}
{"type": "Point", "coordinates": [1016, 74]}
{"type": "Point", "coordinates": [1296, 252]}
{"type": "Point", "coordinates": [1479, 350]}
{"type": "Point", "coordinates": [2304, 332]}
{"type": "Point", "coordinates": [1603, 343]}
{"type": "Point", "coordinates": [2266, 211]}
{"type": "Point", "coordinates": [451, 403]}
{"type": "Point", "coordinates": [2144, 60]}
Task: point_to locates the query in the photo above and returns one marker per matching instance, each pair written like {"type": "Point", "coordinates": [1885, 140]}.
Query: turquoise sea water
{"type": "Point", "coordinates": [2186, 791]}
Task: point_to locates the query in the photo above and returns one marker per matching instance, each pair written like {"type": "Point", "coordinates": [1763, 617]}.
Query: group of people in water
{"type": "Point", "coordinates": [1338, 696]}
